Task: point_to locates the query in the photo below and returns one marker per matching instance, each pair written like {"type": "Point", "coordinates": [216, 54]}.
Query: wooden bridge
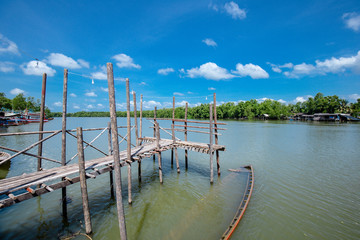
{"type": "Point", "coordinates": [26, 186]}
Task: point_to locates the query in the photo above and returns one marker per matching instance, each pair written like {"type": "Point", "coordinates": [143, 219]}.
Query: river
{"type": "Point", "coordinates": [307, 186]}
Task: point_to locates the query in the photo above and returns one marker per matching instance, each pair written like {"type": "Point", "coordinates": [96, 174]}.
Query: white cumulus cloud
{"type": "Point", "coordinates": [251, 70]}
{"type": "Point", "coordinates": [7, 67]}
{"type": "Point", "coordinates": [57, 104]}
{"type": "Point", "coordinates": [60, 60]}
{"type": "Point", "coordinates": [104, 89]}
{"type": "Point", "coordinates": [352, 21]}
{"type": "Point", "coordinates": [73, 95]}
{"type": "Point", "coordinates": [7, 46]}
{"type": "Point", "coordinates": [209, 71]}
{"type": "Point", "coordinates": [125, 61]}
{"type": "Point", "coordinates": [83, 63]}
{"type": "Point", "coordinates": [354, 97]}
{"type": "Point", "coordinates": [178, 94]}
{"type": "Point", "coordinates": [211, 89]}
{"type": "Point", "coordinates": [209, 42]}
{"type": "Point", "coordinates": [165, 71]}
{"type": "Point", "coordinates": [17, 91]}
{"type": "Point", "coordinates": [37, 68]}
{"type": "Point", "coordinates": [91, 94]}
{"type": "Point", "coordinates": [331, 65]}
{"type": "Point", "coordinates": [233, 9]}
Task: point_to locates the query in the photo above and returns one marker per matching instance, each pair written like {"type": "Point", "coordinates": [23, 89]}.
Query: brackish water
{"type": "Point", "coordinates": [307, 186]}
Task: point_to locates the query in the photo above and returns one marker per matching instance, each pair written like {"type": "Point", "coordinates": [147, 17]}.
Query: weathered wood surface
{"type": "Point", "coordinates": [147, 149]}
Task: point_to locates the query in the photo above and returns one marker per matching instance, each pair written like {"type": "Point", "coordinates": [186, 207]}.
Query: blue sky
{"type": "Point", "coordinates": [242, 50]}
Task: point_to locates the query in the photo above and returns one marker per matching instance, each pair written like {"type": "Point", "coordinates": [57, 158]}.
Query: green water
{"type": "Point", "coordinates": [306, 187]}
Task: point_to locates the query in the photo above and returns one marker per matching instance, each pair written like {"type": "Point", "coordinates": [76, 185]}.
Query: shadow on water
{"type": "Point", "coordinates": [4, 169]}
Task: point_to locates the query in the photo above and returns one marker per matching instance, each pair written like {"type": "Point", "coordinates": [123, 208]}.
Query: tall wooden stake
{"type": "Point", "coordinates": [211, 146]}
{"type": "Point", "coordinates": [140, 136]}
{"type": "Point", "coordinates": [128, 148]}
{"type": "Point", "coordinates": [141, 107]}
{"type": "Point", "coordinates": [115, 144]}
{"type": "Point", "coordinates": [154, 128]}
{"type": "Point", "coordinates": [173, 122]}
{"type": "Point", "coordinates": [157, 129]}
{"type": "Point", "coordinates": [216, 137]}
{"type": "Point", "coordinates": [110, 153]}
{"type": "Point", "coordinates": [42, 116]}
{"type": "Point", "coordinates": [83, 185]}
{"type": "Point", "coordinates": [176, 153]}
{"type": "Point", "coordinates": [135, 119]}
{"type": "Point", "coordinates": [185, 133]}
{"type": "Point", "coordinates": [63, 140]}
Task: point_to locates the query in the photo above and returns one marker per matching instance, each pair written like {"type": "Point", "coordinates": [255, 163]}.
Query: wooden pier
{"type": "Point", "coordinates": [30, 185]}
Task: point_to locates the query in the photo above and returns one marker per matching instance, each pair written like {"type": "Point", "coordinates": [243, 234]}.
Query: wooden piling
{"type": "Point", "coordinates": [63, 141]}
{"type": "Point", "coordinates": [141, 107]}
{"type": "Point", "coordinates": [135, 120]}
{"type": "Point", "coordinates": [211, 146]}
{"type": "Point", "coordinates": [175, 148]}
{"type": "Point", "coordinates": [154, 128]}
{"type": "Point", "coordinates": [140, 136]}
{"type": "Point", "coordinates": [185, 133]}
{"type": "Point", "coordinates": [216, 137]}
{"type": "Point", "coordinates": [115, 144]}
{"type": "Point", "coordinates": [157, 129]}
{"type": "Point", "coordinates": [128, 148]}
{"type": "Point", "coordinates": [110, 153]}
{"type": "Point", "coordinates": [173, 122]}
{"type": "Point", "coordinates": [42, 116]}
{"type": "Point", "coordinates": [83, 185]}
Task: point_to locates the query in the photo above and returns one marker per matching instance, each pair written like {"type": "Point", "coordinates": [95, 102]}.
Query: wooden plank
{"type": "Point", "coordinates": [189, 121]}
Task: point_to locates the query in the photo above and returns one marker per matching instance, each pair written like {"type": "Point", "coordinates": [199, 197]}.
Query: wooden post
{"type": "Point", "coordinates": [83, 185]}
{"type": "Point", "coordinates": [185, 133]}
{"type": "Point", "coordinates": [157, 129]}
{"type": "Point", "coordinates": [115, 144]}
{"type": "Point", "coordinates": [211, 147]}
{"type": "Point", "coordinates": [42, 116]}
{"type": "Point", "coordinates": [140, 135]}
{"type": "Point", "coordinates": [63, 141]}
{"type": "Point", "coordinates": [176, 152]}
{"type": "Point", "coordinates": [173, 122]}
{"type": "Point", "coordinates": [128, 148]}
{"type": "Point", "coordinates": [154, 128]}
{"type": "Point", "coordinates": [141, 107]}
{"type": "Point", "coordinates": [216, 137]}
{"type": "Point", "coordinates": [110, 153]}
{"type": "Point", "coordinates": [135, 119]}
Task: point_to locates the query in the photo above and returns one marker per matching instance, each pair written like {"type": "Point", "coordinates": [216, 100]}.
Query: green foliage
{"type": "Point", "coordinates": [19, 102]}
{"type": "Point", "coordinates": [5, 103]}
{"type": "Point", "coordinates": [245, 110]}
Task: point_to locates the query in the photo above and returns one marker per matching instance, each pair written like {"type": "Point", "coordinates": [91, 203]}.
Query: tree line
{"type": "Point", "coordinates": [20, 103]}
{"type": "Point", "coordinates": [246, 109]}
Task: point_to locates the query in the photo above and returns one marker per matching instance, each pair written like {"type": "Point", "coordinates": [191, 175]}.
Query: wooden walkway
{"type": "Point", "coordinates": [94, 167]}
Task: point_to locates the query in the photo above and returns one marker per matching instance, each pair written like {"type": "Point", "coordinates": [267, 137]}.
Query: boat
{"type": "Point", "coordinates": [244, 202]}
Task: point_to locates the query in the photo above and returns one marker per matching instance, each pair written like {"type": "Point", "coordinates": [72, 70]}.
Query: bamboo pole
{"type": "Point", "coordinates": [115, 143]}
{"type": "Point", "coordinates": [29, 154]}
{"type": "Point", "coordinates": [216, 137]}
{"type": "Point", "coordinates": [110, 153]}
{"type": "Point", "coordinates": [63, 141]}
{"type": "Point", "coordinates": [83, 185]}
{"type": "Point", "coordinates": [185, 135]}
{"type": "Point", "coordinates": [211, 146]}
{"type": "Point", "coordinates": [128, 148]}
{"type": "Point", "coordinates": [42, 116]}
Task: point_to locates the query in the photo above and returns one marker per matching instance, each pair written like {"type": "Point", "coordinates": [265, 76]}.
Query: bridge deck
{"type": "Point", "coordinates": [98, 166]}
